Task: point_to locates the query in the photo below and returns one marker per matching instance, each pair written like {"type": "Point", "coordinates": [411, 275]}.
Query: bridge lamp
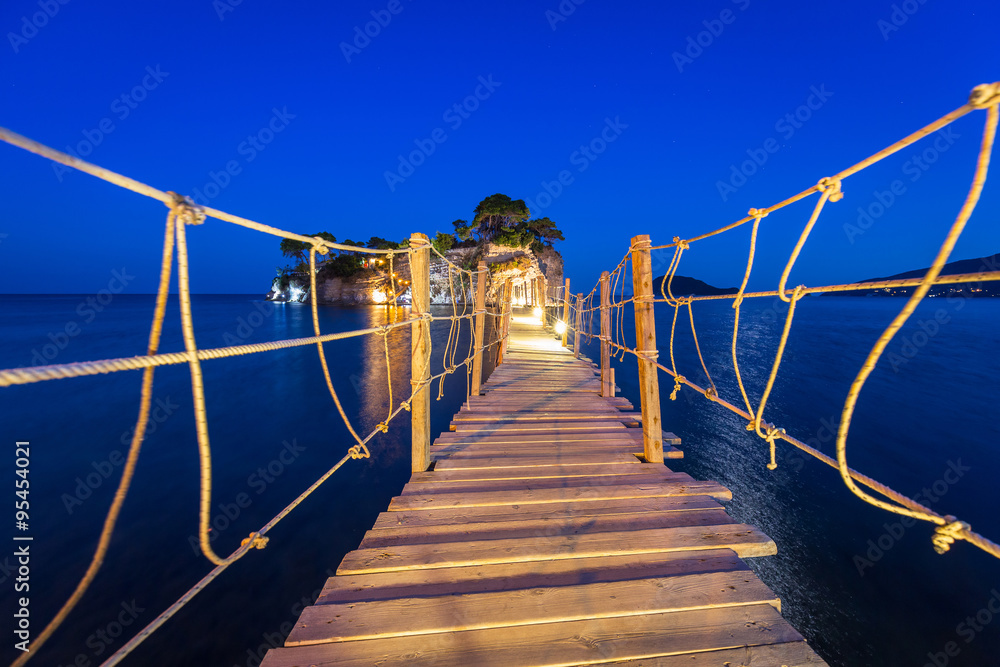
{"type": "Point", "coordinates": [560, 327]}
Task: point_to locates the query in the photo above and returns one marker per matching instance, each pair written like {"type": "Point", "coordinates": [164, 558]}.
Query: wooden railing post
{"type": "Point", "coordinates": [565, 317]}
{"type": "Point", "coordinates": [420, 350]}
{"type": "Point", "coordinates": [606, 389]}
{"type": "Point", "coordinates": [645, 344]}
{"type": "Point", "coordinates": [477, 360]}
{"type": "Point", "coordinates": [508, 307]}
{"type": "Point", "coordinates": [498, 322]}
{"type": "Point", "coordinates": [506, 300]}
{"type": "Point", "coordinates": [576, 327]}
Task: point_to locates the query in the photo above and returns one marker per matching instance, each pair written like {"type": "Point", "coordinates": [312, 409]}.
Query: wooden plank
{"type": "Point", "coordinates": [537, 427]}
{"type": "Point", "coordinates": [616, 435]}
{"type": "Point", "coordinates": [431, 501]}
{"type": "Point", "coordinates": [455, 613]}
{"type": "Point", "coordinates": [482, 486]}
{"type": "Point", "coordinates": [745, 540]}
{"type": "Point", "coordinates": [488, 449]}
{"type": "Point", "coordinates": [564, 509]}
{"type": "Point", "coordinates": [502, 418]}
{"type": "Point", "coordinates": [789, 654]}
{"type": "Point", "coordinates": [571, 643]}
{"type": "Point", "coordinates": [562, 470]}
{"type": "Point", "coordinates": [596, 459]}
{"type": "Point", "coordinates": [495, 530]}
{"type": "Point", "coordinates": [514, 576]}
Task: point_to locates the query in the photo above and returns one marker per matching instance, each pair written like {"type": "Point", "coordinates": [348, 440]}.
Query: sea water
{"type": "Point", "coordinates": [861, 586]}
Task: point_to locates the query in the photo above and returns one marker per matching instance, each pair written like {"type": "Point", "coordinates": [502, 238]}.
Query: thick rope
{"type": "Point", "coordinates": [128, 471]}
{"type": "Point", "coordinates": [737, 301]}
{"type": "Point", "coordinates": [979, 179]}
{"type": "Point", "coordinates": [831, 192]}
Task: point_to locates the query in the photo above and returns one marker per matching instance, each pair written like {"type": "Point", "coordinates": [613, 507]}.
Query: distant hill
{"type": "Point", "coordinates": [684, 286]}
{"type": "Point", "coordinates": [971, 289]}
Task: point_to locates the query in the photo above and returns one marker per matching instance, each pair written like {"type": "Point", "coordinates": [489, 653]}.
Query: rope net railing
{"type": "Point", "coordinates": [181, 214]}
{"type": "Point", "coordinates": [948, 528]}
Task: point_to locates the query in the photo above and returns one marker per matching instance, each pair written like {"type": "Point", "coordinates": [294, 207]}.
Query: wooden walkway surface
{"type": "Point", "coordinates": [540, 538]}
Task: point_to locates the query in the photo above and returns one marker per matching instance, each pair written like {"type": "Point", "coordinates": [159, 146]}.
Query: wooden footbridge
{"type": "Point", "coordinates": [543, 536]}
{"type": "Point", "coordinates": [543, 529]}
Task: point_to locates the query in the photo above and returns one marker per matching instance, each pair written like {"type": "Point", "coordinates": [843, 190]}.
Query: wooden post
{"type": "Point", "coordinates": [498, 324]}
{"type": "Point", "coordinates": [614, 387]}
{"type": "Point", "coordinates": [565, 317]}
{"type": "Point", "coordinates": [576, 327]}
{"type": "Point", "coordinates": [645, 343]}
{"type": "Point", "coordinates": [477, 360]}
{"type": "Point", "coordinates": [509, 306]}
{"type": "Point", "coordinates": [420, 350]}
{"type": "Point", "coordinates": [605, 337]}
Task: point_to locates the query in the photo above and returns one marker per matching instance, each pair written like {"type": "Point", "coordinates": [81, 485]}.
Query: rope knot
{"type": "Point", "coordinates": [678, 383]}
{"type": "Point", "coordinates": [257, 540]}
{"type": "Point", "coordinates": [382, 426]}
{"type": "Point", "coordinates": [405, 405]}
{"type": "Point", "coordinates": [757, 213]}
{"type": "Point", "coordinates": [359, 451]}
{"type": "Point", "coordinates": [712, 394]}
{"type": "Point", "coordinates": [985, 95]}
{"type": "Point", "coordinates": [770, 435]}
{"type": "Point", "coordinates": [320, 246]}
{"type": "Point", "coordinates": [831, 186]}
{"type": "Point", "coordinates": [186, 210]}
{"type": "Point", "coordinates": [682, 244]}
{"type": "Point", "coordinates": [945, 536]}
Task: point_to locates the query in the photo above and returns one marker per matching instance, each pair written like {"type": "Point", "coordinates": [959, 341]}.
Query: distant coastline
{"type": "Point", "coordinates": [686, 286]}
{"type": "Point", "coordinates": [968, 289]}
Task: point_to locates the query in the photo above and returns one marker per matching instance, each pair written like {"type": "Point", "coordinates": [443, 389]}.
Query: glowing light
{"type": "Point", "coordinates": [537, 312]}
{"type": "Point", "coordinates": [560, 327]}
{"type": "Point", "coordinates": [379, 296]}
{"type": "Point", "coordinates": [295, 294]}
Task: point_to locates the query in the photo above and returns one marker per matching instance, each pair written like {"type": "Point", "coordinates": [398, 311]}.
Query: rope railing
{"type": "Point", "coordinates": [948, 529]}
{"type": "Point", "coordinates": [183, 212]}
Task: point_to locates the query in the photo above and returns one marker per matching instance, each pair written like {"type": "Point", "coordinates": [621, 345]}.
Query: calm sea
{"type": "Point", "coordinates": [862, 589]}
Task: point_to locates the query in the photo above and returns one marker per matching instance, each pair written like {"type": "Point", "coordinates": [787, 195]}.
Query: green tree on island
{"type": "Point", "coordinates": [504, 221]}
{"type": "Point", "coordinates": [496, 213]}
{"type": "Point", "coordinates": [299, 250]}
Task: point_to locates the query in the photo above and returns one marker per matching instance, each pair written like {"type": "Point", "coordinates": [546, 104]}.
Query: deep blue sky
{"type": "Point", "coordinates": [556, 88]}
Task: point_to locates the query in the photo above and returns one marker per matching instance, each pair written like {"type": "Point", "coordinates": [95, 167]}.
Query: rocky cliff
{"type": "Point", "coordinates": [372, 286]}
